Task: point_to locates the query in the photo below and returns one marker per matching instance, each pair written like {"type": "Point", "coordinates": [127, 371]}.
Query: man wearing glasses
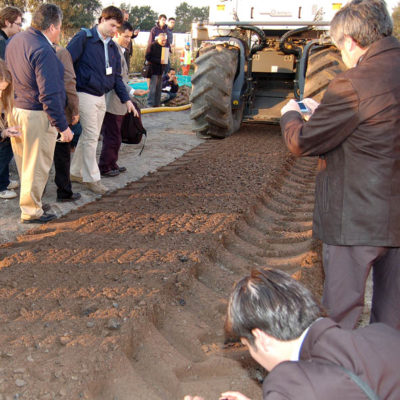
{"type": "Point", "coordinates": [10, 24]}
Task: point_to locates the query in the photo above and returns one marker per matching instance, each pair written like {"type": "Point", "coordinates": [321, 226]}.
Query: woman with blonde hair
{"type": "Point", "coordinates": [6, 132]}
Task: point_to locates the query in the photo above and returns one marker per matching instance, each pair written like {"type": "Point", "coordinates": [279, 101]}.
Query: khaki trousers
{"type": "Point", "coordinates": [33, 154]}
{"type": "Point", "coordinates": [91, 114]}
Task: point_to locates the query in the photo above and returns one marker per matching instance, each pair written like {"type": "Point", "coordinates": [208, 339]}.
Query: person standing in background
{"type": "Point", "coordinates": [10, 24]}
{"type": "Point", "coordinates": [157, 56]}
{"type": "Point", "coordinates": [159, 27]}
{"type": "Point", "coordinates": [62, 153]}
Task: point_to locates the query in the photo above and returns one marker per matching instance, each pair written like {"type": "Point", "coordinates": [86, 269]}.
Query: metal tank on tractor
{"type": "Point", "coordinates": [252, 56]}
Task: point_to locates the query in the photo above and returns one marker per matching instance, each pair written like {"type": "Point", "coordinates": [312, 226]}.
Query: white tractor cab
{"type": "Point", "coordinates": [252, 56]}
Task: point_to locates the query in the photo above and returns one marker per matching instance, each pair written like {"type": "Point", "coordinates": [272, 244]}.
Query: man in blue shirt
{"type": "Point", "coordinates": [97, 64]}
{"type": "Point", "coordinates": [39, 106]}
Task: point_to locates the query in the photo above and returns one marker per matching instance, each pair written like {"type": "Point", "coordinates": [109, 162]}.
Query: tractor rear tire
{"type": "Point", "coordinates": [211, 97]}
{"type": "Point", "coordinates": [323, 66]}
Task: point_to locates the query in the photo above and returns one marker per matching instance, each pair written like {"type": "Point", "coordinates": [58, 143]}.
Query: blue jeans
{"type": "Point", "coordinates": [6, 155]}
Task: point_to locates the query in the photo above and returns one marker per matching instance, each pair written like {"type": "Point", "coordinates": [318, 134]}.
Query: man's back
{"type": "Point", "coordinates": [372, 353]}
{"type": "Point", "coordinates": [37, 75]}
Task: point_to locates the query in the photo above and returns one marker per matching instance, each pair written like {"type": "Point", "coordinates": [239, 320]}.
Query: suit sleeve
{"type": "Point", "coordinates": [333, 121]}
{"type": "Point", "coordinates": [69, 81]}
{"type": "Point", "coordinates": [119, 85]}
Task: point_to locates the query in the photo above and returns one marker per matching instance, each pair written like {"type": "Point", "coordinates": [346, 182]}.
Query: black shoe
{"type": "Point", "coordinates": [110, 174]}
{"type": "Point", "coordinates": [41, 220]}
{"type": "Point", "coordinates": [121, 169]}
{"type": "Point", "coordinates": [46, 207]}
{"type": "Point", "coordinates": [75, 196]}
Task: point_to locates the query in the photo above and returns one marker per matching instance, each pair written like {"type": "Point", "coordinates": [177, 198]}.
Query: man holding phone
{"type": "Point", "coordinates": [356, 132]}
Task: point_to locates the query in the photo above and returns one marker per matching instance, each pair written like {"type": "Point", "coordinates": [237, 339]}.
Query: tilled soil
{"type": "Point", "coordinates": [125, 297]}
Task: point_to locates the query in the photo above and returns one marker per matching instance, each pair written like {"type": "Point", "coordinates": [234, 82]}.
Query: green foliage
{"type": "Point", "coordinates": [186, 14]}
{"type": "Point", "coordinates": [396, 21]}
{"type": "Point", "coordinates": [21, 4]}
{"type": "Point", "coordinates": [143, 17]}
{"type": "Point", "coordinates": [76, 13]}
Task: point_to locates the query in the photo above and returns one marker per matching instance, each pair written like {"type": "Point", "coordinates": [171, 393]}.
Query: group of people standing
{"type": "Point", "coordinates": [158, 55]}
{"type": "Point", "coordinates": [54, 88]}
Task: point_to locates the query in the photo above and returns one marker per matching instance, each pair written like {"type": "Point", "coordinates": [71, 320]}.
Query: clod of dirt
{"type": "Point", "coordinates": [112, 324]}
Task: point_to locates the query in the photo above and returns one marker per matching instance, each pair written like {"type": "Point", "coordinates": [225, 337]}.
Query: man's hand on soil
{"type": "Point", "coordinates": [233, 396]}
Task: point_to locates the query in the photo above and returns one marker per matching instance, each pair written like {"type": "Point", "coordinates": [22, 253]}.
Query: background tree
{"type": "Point", "coordinates": [143, 17]}
{"type": "Point", "coordinates": [186, 14]}
{"type": "Point", "coordinates": [396, 21]}
{"type": "Point", "coordinates": [76, 13]}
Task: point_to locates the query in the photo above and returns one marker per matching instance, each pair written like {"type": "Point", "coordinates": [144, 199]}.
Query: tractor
{"type": "Point", "coordinates": [251, 57]}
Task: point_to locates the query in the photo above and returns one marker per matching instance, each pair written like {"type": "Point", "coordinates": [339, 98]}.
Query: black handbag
{"type": "Point", "coordinates": [146, 70]}
{"type": "Point", "coordinates": [132, 130]}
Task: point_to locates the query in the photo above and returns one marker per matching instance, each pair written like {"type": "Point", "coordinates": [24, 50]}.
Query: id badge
{"type": "Point", "coordinates": [108, 70]}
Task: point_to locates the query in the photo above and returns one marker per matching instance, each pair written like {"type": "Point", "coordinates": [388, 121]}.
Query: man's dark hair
{"type": "Point", "coordinates": [365, 21]}
{"type": "Point", "coordinates": [112, 12]}
{"type": "Point", "coordinates": [45, 16]}
{"type": "Point", "coordinates": [126, 26]}
{"type": "Point", "coordinates": [162, 16]}
{"type": "Point", "coordinates": [9, 14]}
{"type": "Point", "coordinates": [273, 302]}
{"type": "Point", "coordinates": [172, 69]}
{"type": "Point", "coordinates": [171, 19]}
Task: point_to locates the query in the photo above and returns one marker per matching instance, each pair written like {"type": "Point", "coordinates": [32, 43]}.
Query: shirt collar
{"type": "Point", "coordinates": [101, 37]}
{"type": "Point", "coordinates": [296, 350]}
{"type": "Point", "coordinates": [51, 43]}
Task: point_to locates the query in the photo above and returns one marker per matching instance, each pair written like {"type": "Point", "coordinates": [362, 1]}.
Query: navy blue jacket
{"type": "Point", "coordinates": [90, 65]}
{"type": "Point", "coordinates": [3, 44]}
{"type": "Point", "coordinates": [38, 76]}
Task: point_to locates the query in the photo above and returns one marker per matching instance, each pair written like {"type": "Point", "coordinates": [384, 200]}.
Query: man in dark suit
{"type": "Point", "coordinates": [356, 130]}
{"type": "Point", "coordinates": [308, 356]}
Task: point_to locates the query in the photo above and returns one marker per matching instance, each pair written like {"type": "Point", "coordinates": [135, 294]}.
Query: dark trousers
{"type": "Point", "coordinates": [155, 91]}
{"type": "Point", "coordinates": [111, 132]}
{"type": "Point", "coordinates": [6, 154]}
{"type": "Point", "coordinates": [346, 272]}
{"type": "Point", "coordinates": [62, 163]}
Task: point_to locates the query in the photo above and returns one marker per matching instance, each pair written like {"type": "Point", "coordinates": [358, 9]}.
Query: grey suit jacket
{"type": "Point", "coordinates": [113, 103]}
{"type": "Point", "coordinates": [372, 353]}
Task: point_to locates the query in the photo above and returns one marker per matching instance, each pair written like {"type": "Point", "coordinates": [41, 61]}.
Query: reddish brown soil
{"type": "Point", "coordinates": [125, 297]}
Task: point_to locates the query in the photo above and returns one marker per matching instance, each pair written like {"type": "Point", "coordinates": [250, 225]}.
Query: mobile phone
{"type": "Point", "coordinates": [303, 107]}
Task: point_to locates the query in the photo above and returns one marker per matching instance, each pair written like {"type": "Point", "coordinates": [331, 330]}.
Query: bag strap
{"type": "Point", "coordinates": [145, 139]}
{"type": "Point", "coordinates": [89, 34]}
{"type": "Point", "coordinates": [360, 383]}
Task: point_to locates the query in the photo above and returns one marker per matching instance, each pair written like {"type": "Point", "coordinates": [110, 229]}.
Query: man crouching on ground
{"type": "Point", "coordinates": [308, 356]}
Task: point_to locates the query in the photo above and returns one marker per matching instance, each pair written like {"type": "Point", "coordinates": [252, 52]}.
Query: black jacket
{"type": "Point", "coordinates": [356, 129]}
{"type": "Point", "coordinates": [153, 56]}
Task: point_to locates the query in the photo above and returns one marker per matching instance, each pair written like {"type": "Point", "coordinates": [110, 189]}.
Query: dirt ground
{"type": "Point", "coordinates": [124, 297]}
